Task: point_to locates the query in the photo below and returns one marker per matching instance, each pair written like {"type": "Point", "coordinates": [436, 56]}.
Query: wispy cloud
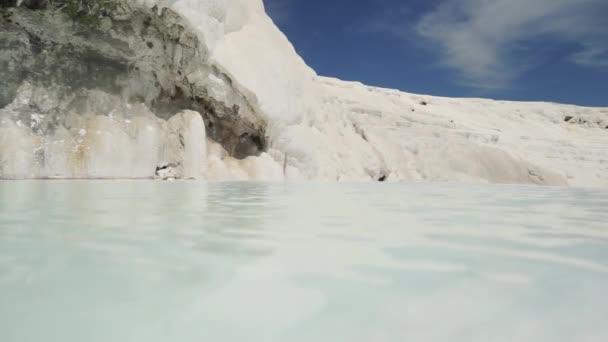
{"type": "Point", "coordinates": [492, 42]}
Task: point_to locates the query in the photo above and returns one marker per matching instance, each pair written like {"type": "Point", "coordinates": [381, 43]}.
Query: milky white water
{"type": "Point", "coordinates": [186, 261]}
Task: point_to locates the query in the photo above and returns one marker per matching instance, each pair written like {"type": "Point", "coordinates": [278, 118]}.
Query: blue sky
{"type": "Point", "coordinates": [539, 50]}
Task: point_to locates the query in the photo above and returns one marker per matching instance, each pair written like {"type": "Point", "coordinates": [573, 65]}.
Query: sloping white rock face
{"type": "Point", "coordinates": [321, 128]}
{"type": "Point", "coordinates": [329, 129]}
{"type": "Point", "coordinates": [444, 139]}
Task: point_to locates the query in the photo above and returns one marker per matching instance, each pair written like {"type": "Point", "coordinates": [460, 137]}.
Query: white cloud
{"type": "Point", "coordinates": [491, 42]}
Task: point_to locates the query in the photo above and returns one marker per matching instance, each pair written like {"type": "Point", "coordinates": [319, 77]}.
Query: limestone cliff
{"type": "Point", "coordinates": [61, 73]}
{"type": "Point", "coordinates": [108, 90]}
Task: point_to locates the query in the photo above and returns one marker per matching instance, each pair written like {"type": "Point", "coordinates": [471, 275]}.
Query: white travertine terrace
{"type": "Point", "coordinates": [321, 128]}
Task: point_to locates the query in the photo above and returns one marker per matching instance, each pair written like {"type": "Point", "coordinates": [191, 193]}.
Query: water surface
{"type": "Point", "coordinates": [149, 261]}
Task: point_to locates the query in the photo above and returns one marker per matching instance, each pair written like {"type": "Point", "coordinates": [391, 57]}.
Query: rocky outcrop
{"type": "Point", "coordinates": [135, 144]}
{"type": "Point", "coordinates": [135, 56]}
{"type": "Point", "coordinates": [183, 155]}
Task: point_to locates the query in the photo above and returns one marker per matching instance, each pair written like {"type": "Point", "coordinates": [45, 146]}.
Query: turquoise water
{"type": "Point", "coordinates": [185, 261]}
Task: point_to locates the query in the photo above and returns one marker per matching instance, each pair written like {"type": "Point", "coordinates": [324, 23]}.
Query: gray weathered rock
{"type": "Point", "coordinates": [138, 54]}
